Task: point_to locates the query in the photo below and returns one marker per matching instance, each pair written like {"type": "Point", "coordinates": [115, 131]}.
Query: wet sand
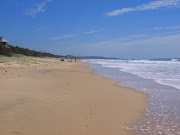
{"type": "Point", "coordinates": [50, 97]}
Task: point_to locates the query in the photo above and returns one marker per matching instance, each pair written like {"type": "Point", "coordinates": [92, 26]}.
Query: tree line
{"type": "Point", "coordinates": [9, 50]}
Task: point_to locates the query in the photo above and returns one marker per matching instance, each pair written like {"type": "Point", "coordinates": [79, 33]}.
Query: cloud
{"type": "Point", "coordinates": [149, 6]}
{"type": "Point", "coordinates": [146, 46]}
{"type": "Point", "coordinates": [63, 37]}
{"type": "Point", "coordinates": [164, 39]}
{"type": "Point", "coordinates": [91, 32]}
{"type": "Point", "coordinates": [73, 35]}
{"type": "Point", "coordinates": [40, 8]}
{"type": "Point", "coordinates": [165, 28]}
{"type": "Point", "coordinates": [122, 40]}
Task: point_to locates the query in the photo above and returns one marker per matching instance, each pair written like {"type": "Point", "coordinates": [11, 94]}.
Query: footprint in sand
{"type": "Point", "coordinates": [86, 118]}
{"type": "Point", "coordinates": [18, 133]}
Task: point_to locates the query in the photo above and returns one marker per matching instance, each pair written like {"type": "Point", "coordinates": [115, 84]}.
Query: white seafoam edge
{"type": "Point", "coordinates": [163, 72]}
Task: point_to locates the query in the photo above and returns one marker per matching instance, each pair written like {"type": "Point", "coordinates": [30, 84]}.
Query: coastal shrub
{"type": "Point", "coordinates": [9, 50]}
{"type": "Point", "coordinates": [4, 50]}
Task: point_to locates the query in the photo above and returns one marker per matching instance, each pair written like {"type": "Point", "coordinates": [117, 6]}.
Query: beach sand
{"type": "Point", "coordinates": [50, 97]}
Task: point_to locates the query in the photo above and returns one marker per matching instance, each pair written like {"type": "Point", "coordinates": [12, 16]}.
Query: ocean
{"type": "Point", "coordinates": [159, 79]}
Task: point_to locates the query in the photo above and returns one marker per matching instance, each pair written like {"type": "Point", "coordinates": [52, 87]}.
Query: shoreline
{"type": "Point", "coordinates": [50, 97]}
{"type": "Point", "coordinates": [115, 83]}
{"type": "Point", "coordinates": [162, 114]}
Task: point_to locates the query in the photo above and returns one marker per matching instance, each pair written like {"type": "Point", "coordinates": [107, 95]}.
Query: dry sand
{"type": "Point", "coordinates": [50, 97]}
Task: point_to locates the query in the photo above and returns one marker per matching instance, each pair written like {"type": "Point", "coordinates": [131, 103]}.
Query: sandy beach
{"type": "Point", "coordinates": [50, 97]}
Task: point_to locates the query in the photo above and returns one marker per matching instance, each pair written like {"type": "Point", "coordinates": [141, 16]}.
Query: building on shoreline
{"type": "Point", "coordinates": [4, 42]}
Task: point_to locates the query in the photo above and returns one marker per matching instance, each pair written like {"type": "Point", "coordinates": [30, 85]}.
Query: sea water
{"type": "Point", "coordinates": [159, 79]}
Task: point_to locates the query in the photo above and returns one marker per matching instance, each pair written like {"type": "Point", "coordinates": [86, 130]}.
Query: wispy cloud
{"type": "Point", "coordinates": [40, 8]}
{"type": "Point", "coordinates": [141, 39]}
{"type": "Point", "coordinates": [63, 37]}
{"type": "Point", "coordinates": [149, 6]}
{"type": "Point", "coordinates": [166, 28]}
{"type": "Point", "coordinates": [122, 40]}
{"type": "Point", "coordinates": [91, 32]}
{"type": "Point", "coordinates": [73, 35]}
{"type": "Point", "coordinates": [133, 46]}
{"type": "Point", "coordinates": [161, 40]}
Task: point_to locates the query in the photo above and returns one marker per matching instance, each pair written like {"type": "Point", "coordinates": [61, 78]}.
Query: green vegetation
{"type": "Point", "coordinates": [4, 50]}
{"type": "Point", "coordinates": [10, 50]}
{"type": "Point", "coordinates": [27, 52]}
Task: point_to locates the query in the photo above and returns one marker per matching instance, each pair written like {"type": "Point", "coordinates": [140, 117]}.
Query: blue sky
{"type": "Point", "coordinates": [111, 28]}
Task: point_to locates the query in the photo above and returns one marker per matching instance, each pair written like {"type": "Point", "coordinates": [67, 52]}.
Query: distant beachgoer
{"type": "Point", "coordinates": [75, 60]}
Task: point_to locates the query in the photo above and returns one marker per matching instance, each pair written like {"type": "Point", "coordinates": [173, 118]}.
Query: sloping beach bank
{"type": "Point", "coordinates": [50, 97]}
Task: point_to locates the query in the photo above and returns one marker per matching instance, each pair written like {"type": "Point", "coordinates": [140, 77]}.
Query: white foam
{"type": "Point", "coordinates": [174, 60]}
{"type": "Point", "coordinates": [163, 72]}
